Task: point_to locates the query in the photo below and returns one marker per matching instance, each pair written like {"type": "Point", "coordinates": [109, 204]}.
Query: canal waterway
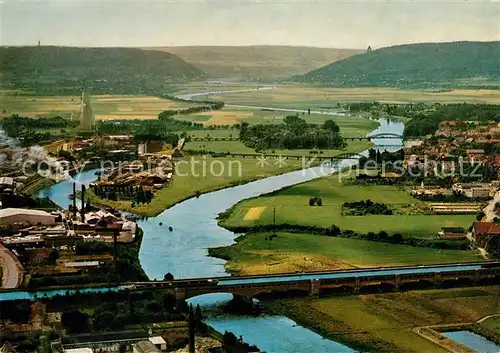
{"type": "Point", "coordinates": [473, 341]}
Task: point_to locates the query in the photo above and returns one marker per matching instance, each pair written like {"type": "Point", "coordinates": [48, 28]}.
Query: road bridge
{"type": "Point", "coordinates": [316, 283]}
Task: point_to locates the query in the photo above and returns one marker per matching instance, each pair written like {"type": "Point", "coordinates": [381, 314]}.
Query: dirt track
{"type": "Point", "coordinates": [489, 210]}
{"type": "Point", "coordinates": [11, 268]}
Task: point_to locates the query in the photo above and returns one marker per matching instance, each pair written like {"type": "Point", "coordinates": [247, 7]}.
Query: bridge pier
{"type": "Point", "coordinates": [477, 277]}
{"type": "Point", "coordinates": [357, 285]}
{"type": "Point", "coordinates": [180, 298]}
{"type": "Point", "coordinates": [243, 302]}
{"type": "Point", "coordinates": [397, 282]}
{"type": "Point", "coordinates": [437, 280]}
{"type": "Point", "coordinates": [315, 287]}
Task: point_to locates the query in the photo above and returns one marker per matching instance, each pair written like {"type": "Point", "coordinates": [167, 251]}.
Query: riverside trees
{"type": "Point", "coordinates": [294, 134]}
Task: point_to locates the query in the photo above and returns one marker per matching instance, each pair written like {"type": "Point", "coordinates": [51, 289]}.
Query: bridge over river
{"type": "Point", "coordinates": [314, 283]}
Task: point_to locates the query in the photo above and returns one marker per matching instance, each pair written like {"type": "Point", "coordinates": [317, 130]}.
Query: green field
{"type": "Point", "coordinates": [290, 252]}
{"type": "Point", "coordinates": [351, 127]}
{"type": "Point", "coordinates": [239, 147]}
{"type": "Point", "coordinates": [215, 133]}
{"type": "Point", "coordinates": [300, 96]}
{"type": "Point", "coordinates": [384, 322]}
{"type": "Point", "coordinates": [292, 207]}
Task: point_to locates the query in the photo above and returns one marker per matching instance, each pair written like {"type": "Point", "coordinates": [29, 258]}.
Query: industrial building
{"type": "Point", "coordinates": [21, 216]}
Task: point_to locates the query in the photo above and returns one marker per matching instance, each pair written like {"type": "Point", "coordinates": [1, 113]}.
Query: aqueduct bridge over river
{"type": "Point", "coordinates": [314, 283]}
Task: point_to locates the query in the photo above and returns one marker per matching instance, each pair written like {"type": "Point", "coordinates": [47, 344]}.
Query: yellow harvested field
{"type": "Point", "coordinates": [126, 98]}
{"type": "Point", "coordinates": [287, 263]}
{"type": "Point", "coordinates": [222, 117]}
{"type": "Point", "coordinates": [104, 106]}
{"type": "Point", "coordinates": [126, 117]}
{"type": "Point", "coordinates": [254, 213]}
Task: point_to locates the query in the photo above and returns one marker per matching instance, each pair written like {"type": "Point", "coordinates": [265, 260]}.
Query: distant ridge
{"type": "Point", "coordinates": [415, 65]}
{"type": "Point", "coordinates": [259, 62]}
{"type": "Point", "coordinates": [106, 68]}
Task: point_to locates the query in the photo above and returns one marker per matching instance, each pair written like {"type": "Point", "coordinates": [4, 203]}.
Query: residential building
{"type": "Point", "coordinates": [159, 342]}
{"type": "Point", "coordinates": [475, 153]}
{"type": "Point", "coordinates": [481, 231]}
{"type": "Point", "coordinates": [145, 347]}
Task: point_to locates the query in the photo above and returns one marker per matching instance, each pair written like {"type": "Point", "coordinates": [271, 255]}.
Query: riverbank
{"type": "Point", "coordinates": [263, 253]}
{"type": "Point", "coordinates": [385, 322]}
{"type": "Point", "coordinates": [199, 172]}
{"type": "Point", "coordinates": [187, 185]}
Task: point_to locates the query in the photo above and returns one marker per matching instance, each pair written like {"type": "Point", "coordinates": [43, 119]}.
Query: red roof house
{"type": "Point", "coordinates": [481, 231]}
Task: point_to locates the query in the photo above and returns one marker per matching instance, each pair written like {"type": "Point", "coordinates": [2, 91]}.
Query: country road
{"type": "Point", "coordinates": [11, 268]}
{"type": "Point", "coordinates": [489, 210]}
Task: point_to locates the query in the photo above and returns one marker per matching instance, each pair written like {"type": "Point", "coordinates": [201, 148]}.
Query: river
{"type": "Point", "coordinates": [183, 252]}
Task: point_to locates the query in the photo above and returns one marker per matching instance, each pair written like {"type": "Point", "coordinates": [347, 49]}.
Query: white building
{"type": "Point", "coordinates": [145, 347]}
{"type": "Point", "coordinates": [21, 216]}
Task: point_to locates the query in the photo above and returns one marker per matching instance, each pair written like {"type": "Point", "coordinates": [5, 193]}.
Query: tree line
{"type": "Point", "coordinates": [137, 194]}
{"type": "Point", "coordinates": [365, 207]}
{"type": "Point", "coordinates": [294, 134]}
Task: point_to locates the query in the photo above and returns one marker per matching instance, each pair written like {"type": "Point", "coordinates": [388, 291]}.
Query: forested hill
{"type": "Point", "coordinates": [107, 69]}
{"type": "Point", "coordinates": [454, 64]}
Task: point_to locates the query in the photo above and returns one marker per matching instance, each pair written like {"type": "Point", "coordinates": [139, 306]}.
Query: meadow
{"type": "Point", "coordinates": [384, 322]}
{"type": "Point", "coordinates": [352, 126]}
{"type": "Point", "coordinates": [290, 252]}
{"type": "Point", "coordinates": [292, 207]}
{"type": "Point", "coordinates": [349, 126]}
{"type": "Point", "coordinates": [239, 147]}
{"type": "Point", "coordinates": [104, 106]}
{"type": "Point", "coordinates": [301, 96]}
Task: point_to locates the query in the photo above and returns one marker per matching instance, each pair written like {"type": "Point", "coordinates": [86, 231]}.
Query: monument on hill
{"type": "Point", "coordinates": [87, 117]}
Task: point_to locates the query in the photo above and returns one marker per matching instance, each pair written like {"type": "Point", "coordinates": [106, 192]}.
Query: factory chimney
{"type": "Point", "coordinates": [75, 210]}
{"type": "Point", "coordinates": [191, 329]}
{"type": "Point", "coordinates": [83, 204]}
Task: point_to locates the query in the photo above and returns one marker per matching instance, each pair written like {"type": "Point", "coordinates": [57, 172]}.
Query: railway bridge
{"type": "Point", "coordinates": [316, 283]}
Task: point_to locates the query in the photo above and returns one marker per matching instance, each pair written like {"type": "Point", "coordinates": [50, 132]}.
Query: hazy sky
{"type": "Point", "coordinates": [341, 24]}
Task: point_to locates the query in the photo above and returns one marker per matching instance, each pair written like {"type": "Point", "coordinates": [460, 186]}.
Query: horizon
{"type": "Point", "coordinates": [238, 46]}
{"type": "Point", "coordinates": [312, 24]}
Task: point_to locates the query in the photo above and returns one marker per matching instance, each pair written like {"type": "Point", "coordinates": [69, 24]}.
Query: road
{"type": "Point", "coordinates": [11, 268]}
{"type": "Point", "coordinates": [489, 210]}
{"type": "Point", "coordinates": [189, 96]}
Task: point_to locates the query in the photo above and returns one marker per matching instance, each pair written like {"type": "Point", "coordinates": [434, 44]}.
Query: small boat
{"type": "Point", "coordinates": [170, 228]}
{"type": "Point", "coordinates": [71, 196]}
